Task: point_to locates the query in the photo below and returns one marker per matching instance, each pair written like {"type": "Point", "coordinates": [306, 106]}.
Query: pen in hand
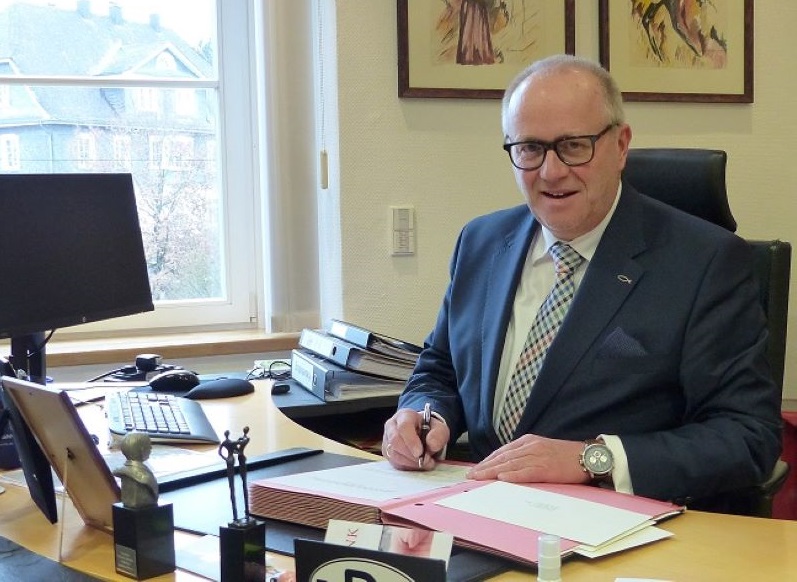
{"type": "Point", "coordinates": [426, 425]}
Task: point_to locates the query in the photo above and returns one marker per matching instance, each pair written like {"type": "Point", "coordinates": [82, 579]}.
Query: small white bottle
{"type": "Point", "coordinates": [549, 559]}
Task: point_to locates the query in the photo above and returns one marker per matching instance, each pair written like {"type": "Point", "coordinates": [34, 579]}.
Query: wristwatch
{"type": "Point", "coordinates": [597, 460]}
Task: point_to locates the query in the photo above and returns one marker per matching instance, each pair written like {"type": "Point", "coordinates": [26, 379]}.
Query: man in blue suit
{"type": "Point", "coordinates": [656, 382]}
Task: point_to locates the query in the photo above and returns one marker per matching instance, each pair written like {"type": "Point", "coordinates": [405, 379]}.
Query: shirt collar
{"type": "Point", "coordinates": [585, 245]}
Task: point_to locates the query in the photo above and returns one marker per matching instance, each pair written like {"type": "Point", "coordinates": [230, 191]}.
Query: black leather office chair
{"type": "Point", "coordinates": [694, 181]}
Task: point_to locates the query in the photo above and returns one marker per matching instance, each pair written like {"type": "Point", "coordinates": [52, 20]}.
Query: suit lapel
{"type": "Point", "coordinates": [505, 269]}
{"type": "Point", "coordinates": [611, 276]}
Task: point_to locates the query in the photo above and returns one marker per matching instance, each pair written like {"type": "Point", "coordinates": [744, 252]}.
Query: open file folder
{"type": "Point", "coordinates": [377, 493]}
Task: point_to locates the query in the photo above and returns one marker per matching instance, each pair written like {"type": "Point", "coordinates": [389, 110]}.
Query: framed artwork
{"type": "Point", "coordinates": [472, 49]}
{"type": "Point", "coordinates": [679, 50]}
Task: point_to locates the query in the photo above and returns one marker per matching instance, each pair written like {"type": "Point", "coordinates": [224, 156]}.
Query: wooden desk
{"type": "Point", "coordinates": [359, 421]}
{"type": "Point", "coordinates": [706, 547]}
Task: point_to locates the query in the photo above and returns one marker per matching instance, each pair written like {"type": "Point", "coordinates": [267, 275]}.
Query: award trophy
{"type": "Point", "coordinates": [242, 542]}
{"type": "Point", "coordinates": [143, 531]}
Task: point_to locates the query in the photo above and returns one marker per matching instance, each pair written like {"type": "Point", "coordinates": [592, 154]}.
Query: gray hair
{"type": "Point", "coordinates": [613, 98]}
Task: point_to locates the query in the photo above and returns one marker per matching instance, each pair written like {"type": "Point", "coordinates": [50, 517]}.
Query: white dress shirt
{"type": "Point", "coordinates": [535, 284]}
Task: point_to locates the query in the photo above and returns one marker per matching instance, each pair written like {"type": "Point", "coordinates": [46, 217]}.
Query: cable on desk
{"type": "Point", "coordinates": [277, 370]}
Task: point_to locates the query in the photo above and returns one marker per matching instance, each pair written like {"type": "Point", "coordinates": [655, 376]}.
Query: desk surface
{"type": "Point", "coordinates": [706, 547]}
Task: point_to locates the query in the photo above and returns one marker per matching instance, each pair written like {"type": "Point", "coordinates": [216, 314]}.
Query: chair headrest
{"type": "Point", "coordinates": [690, 179]}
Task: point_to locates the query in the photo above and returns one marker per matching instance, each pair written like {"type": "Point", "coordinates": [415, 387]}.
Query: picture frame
{"type": "Point", "coordinates": [658, 56]}
{"type": "Point", "coordinates": [519, 32]}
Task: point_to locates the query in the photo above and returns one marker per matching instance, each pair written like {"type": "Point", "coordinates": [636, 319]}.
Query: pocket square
{"type": "Point", "coordinates": [618, 344]}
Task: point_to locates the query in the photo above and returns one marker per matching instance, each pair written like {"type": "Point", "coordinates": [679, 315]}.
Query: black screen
{"type": "Point", "coordinates": [70, 251]}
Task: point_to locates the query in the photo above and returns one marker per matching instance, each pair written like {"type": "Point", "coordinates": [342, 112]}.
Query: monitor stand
{"type": "Point", "coordinates": [28, 354]}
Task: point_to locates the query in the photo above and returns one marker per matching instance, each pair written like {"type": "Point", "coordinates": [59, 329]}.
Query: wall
{"type": "Point", "coordinates": [444, 158]}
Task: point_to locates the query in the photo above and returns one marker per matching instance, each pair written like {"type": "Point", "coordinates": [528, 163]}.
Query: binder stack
{"type": "Point", "coordinates": [347, 362]}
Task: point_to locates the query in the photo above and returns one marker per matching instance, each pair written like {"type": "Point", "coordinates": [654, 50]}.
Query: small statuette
{"type": "Point", "coordinates": [139, 487]}
{"type": "Point", "coordinates": [229, 450]}
{"type": "Point", "coordinates": [143, 530]}
{"type": "Point", "coordinates": [242, 541]}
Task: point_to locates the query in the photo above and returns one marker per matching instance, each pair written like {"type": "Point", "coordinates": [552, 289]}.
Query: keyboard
{"type": "Point", "coordinates": [164, 417]}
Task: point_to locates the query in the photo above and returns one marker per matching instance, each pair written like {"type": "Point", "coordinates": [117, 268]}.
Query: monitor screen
{"type": "Point", "coordinates": [70, 251]}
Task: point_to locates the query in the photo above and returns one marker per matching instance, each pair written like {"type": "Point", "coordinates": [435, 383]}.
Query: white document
{"type": "Point", "coordinates": [582, 521]}
{"type": "Point", "coordinates": [377, 481]}
{"type": "Point", "coordinates": [646, 535]}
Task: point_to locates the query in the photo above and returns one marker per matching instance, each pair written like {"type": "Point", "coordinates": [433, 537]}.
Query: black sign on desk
{"type": "Point", "coordinates": [322, 562]}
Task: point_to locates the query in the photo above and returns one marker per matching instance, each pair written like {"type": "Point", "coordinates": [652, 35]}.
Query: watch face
{"type": "Point", "coordinates": [598, 459]}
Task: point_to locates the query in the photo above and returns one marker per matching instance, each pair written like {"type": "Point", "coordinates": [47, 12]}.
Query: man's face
{"type": "Point", "coordinates": [569, 200]}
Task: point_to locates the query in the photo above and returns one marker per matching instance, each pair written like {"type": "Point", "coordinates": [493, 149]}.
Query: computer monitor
{"type": "Point", "coordinates": [72, 253]}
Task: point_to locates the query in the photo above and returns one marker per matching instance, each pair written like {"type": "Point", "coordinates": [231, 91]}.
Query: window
{"type": "Point", "coordinates": [85, 151]}
{"type": "Point", "coordinates": [145, 99]}
{"type": "Point", "coordinates": [9, 152]}
{"type": "Point", "coordinates": [178, 153]}
{"type": "Point", "coordinates": [145, 96]}
{"type": "Point", "coordinates": [166, 62]}
{"type": "Point", "coordinates": [122, 156]}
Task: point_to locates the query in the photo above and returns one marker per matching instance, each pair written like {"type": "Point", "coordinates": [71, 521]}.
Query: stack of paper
{"type": "Point", "coordinates": [350, 493]}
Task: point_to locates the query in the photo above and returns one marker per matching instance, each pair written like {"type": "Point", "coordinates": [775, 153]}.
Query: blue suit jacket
{"type": "Point", "coordinates": [663, 345]}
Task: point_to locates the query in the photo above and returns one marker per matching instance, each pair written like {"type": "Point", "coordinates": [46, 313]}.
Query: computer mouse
{"type": "Point", "coordinates": [220, 388]}
{"type": "Point", "coordinates": [174, 381]}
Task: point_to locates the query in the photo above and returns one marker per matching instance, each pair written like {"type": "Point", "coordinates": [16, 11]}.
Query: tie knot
{"type": "Point", "coordinates": [565, 257]}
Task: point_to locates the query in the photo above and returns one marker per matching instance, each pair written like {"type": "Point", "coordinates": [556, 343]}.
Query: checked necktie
{"type": "Point", "coordinates": [543, 330]}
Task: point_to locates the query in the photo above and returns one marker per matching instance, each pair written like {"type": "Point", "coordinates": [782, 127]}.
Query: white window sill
{"type": "Point", "coordinates": [172, 347]}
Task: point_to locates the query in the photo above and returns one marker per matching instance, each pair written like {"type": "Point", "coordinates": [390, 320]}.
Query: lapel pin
{"type": "Point", "coordinates": [624, 279]}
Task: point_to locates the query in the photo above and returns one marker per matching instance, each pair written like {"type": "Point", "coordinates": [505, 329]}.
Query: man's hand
{"type": "Point", "coordinates": [533, 459]}
{"type": "Point", "coordinates": [401, 443]}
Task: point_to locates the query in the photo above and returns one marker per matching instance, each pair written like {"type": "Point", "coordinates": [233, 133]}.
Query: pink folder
{"type": "Point", "coordinates": [505, 539]}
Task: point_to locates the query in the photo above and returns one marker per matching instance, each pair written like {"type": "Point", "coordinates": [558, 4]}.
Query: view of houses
{"type": "Point", "coordinates": [164, 135]}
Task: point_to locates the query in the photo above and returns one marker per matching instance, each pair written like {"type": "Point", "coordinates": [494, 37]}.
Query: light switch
{"type": "Point", "coordinates": [403, 220]}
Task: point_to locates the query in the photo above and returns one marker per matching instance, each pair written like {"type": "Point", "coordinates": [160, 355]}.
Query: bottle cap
{"type": "Point", "coordinates": [549, 559]}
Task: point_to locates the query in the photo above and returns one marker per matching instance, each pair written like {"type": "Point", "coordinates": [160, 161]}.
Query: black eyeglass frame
{"type": "Point", "coordinates": [554, 145]}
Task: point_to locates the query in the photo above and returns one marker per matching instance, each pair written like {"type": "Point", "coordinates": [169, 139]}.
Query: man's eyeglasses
{"type": "Point", "coordinates": [576, 150]}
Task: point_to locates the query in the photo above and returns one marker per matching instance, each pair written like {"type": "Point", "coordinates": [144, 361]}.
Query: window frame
{"type": "Point", "coordinates": [242, 306]}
